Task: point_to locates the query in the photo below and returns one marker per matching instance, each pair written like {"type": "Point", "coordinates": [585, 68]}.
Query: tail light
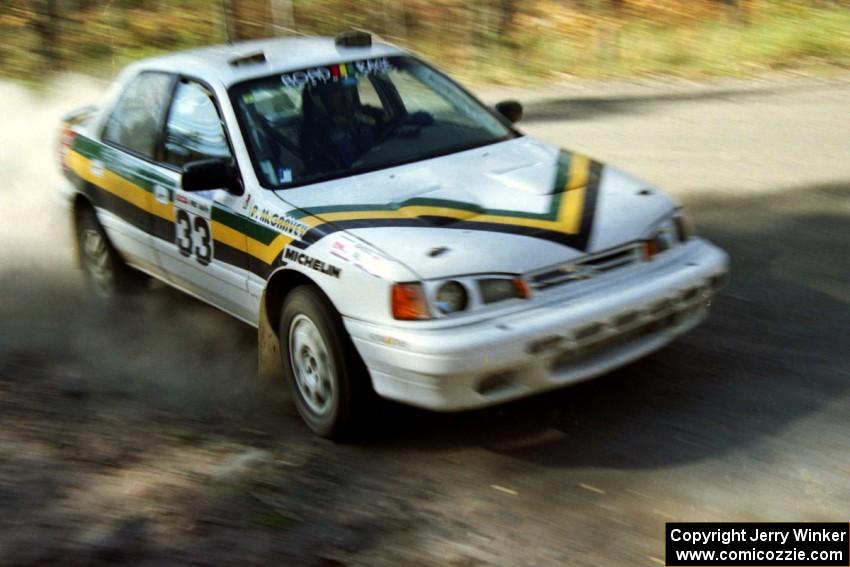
{"type": "Point", "coordinates": [66, 142]}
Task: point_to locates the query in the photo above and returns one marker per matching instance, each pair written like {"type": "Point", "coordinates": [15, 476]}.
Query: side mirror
{"type": "Point", "coordinates": [510, 109]}
{"type": "Point", "coordinates": [209, 174]}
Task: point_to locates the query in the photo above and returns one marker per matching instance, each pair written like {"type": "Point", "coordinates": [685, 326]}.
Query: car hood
{"type": "Point", "coordinates": [510, 207]}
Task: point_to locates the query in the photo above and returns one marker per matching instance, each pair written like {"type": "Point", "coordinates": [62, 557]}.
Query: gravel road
{"type": "Point", "coordinates": [143, 437]}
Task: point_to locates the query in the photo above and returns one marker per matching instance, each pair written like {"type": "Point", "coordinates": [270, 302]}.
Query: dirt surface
{"type": "Point", "coordinates": [143, 437]}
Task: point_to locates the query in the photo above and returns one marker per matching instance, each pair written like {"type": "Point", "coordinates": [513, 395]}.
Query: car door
{"type": "Point", "coordinates": [120, 167]}
{"type": "Point", "coordinates": [197, 250]}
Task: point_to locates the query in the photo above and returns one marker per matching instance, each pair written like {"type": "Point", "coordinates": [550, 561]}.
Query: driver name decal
{"type": "Point", "coordinates": [281, 223]}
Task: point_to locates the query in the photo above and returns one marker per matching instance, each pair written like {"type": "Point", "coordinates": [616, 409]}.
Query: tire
{"type": "Point", "coordinates": [107, 275]}
{"type": "Point", "coordinates": [329, 382]}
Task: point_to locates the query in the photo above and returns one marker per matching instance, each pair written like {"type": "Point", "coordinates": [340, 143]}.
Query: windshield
{"type": "Point", "coordinates": [325, 122]}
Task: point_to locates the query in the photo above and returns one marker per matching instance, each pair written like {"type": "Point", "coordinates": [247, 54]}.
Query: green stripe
{"type": "Point", "coordinates": [561, 179]}
{"type": "Point", "coordinates": [86, 147]}
{"type": "Point", "coordinates": [243, 224]}
{"type": "Point", "coordinates": [133, 169]}
{"type": "Point", "coordinates": [145, 177]}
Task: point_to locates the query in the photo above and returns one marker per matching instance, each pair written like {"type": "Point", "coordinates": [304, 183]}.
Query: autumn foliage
{"type": "Point", "coordinates": [537, 37]}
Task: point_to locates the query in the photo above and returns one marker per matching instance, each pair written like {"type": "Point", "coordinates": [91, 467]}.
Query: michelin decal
{"type": "Point", "coordinates": [297, 257]}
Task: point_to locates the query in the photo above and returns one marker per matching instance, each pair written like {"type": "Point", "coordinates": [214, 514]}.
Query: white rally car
{"type": "Point", "coordinates": [385, 231]}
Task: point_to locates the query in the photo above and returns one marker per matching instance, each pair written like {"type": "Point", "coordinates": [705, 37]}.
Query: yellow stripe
{"type": "Point", "coordinates": [571, 209]}
{"type": "Point", "coordinates": [163, 210]}
{"type": "Point", "coordinates": [269, 253]}
{"type": "Point", "coordinates": [403, 212]}
{"type": "Point", "coordinates": [579, 172]}
{"type": "Point", "coordinates": [568, 218]}
{"type": "Point", "coordinates": [226, 235]}
{"type": "Point", "coordinates": [108, 181]}
{"type": "Point", "coordinates": [140, 198]}
{"type": "Point", "coordinates": [418, 210]}
{"type": "Point", "coordinates": [572, 204]}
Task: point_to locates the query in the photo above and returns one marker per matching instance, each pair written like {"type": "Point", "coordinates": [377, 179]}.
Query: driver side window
{"type": "Point", "coordinates": [136, 120]}
{"type": "Point", "coordinates": [194, 130]}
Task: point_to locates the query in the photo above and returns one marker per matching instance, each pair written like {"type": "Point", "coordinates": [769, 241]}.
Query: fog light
{"type": "Point", "coordinates": [495, 382]}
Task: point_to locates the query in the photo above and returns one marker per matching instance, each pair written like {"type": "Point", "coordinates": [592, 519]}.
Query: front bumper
{"type": "Point", "coordinates": [563, 336]}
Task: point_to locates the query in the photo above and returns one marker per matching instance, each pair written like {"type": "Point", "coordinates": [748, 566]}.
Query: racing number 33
{"type": "Point", "coordinates": [194, 236]}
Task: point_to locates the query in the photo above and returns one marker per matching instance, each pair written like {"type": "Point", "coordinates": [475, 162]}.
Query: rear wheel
{"type": "Point", "coordinates": [105, 271]}
{"type": "Point", "coordinates": [328, 380]}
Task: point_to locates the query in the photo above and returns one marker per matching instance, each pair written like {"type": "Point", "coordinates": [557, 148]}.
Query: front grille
{"type": "Point", "coordinates": [586, 268]}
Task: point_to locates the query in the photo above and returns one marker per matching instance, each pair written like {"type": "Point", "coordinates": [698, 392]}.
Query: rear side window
{"type": "Point", "coordinates": [194, 130]}
{"type": "Point", "coordinates": [136, 120]}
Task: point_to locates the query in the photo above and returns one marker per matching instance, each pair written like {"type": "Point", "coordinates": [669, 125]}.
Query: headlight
{"type": "Point", "coordinates": [493, 290]}
{"type": "Point", "coordinates": [667, 234]}
{"type": "Point", "coordinates": [426, 300]}
{"type": "Point", "coordinates": [451, 297]}
{"type": "Point", "coordinates": [684, 226]}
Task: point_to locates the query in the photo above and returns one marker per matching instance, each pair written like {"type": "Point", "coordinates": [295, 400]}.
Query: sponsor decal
{"type": "Point", "coordinates": [299, 78]}
{"type": "Point", "coordinates": [160, 193]}
{"type": "Point", "coordinates": [192, 204]}
{"type": "Point", "coordinates": [340, 249]}
{"type": "Point", "coordinates": [193, 232]}
{"type": "Point", "coordinates": [388, 340]}
{"type": "Point", "coordinates": [281, 223]}
{"type": "Point", "coordinates": [335, 72]}
{"type": "Point", "coordinates": [284, 175]}
{"type": "Point", "coordinates": [96, 168]}
{"type": "Point", "coordinates": [361, 256]}
{"type": "Point", "coordinates": [297, 257]}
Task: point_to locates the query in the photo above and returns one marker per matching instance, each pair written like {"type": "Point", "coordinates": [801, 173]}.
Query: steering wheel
{"type": "Point", "coordinates": [278, 138]}
{"type": "Point", "coordinates": [412, 122]}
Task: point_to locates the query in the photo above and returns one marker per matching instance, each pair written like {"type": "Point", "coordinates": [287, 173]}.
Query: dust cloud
{"type": "Point", "coordinates": [121, 426]}
{"type": "Point", "coordinates": [161, 343]}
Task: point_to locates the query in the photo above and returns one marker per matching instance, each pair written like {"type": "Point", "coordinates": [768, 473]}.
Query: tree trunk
{"type": "Point", "coordinates": [46, 27]}
{"type": "Point", "coordinates": [249, 19]}
{"type": "Point", "coordinates": [283, 17]}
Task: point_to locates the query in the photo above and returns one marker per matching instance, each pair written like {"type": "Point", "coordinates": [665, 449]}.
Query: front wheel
{"type": "Point", "coordinates": [328, 380]}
